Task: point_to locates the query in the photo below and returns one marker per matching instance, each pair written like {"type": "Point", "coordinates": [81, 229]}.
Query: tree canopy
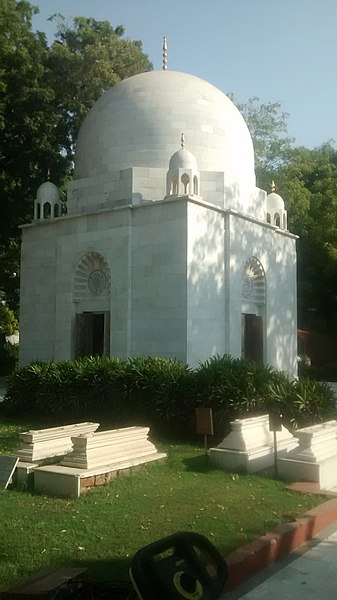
{"type": "Point", "coordinates": [45, 91]}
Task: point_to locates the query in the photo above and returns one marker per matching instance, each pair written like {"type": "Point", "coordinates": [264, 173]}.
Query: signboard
{"type": "Point", "coordinates": [204, 418]}
{"type": "Point", "coordinates": [7, 468]}
{"type": "Point", "coordinates": [275, 422]}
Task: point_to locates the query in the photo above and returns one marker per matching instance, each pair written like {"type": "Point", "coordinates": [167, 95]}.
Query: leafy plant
{"type": "Point", "coordinates": [164, 393]}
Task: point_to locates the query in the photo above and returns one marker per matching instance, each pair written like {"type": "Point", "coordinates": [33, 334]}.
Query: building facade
{"type": "Point", "coordinates": [168, 248]}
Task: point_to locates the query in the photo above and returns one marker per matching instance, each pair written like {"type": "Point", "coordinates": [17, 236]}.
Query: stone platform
{"type": "Point", "coordinates": [68, 482]}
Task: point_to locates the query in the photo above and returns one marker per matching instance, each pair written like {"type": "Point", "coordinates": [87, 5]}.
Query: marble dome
{"type": "Point", "coordinates": [48, 192]}
{"type": "Point", "coordinates": [139, 122]}
{"type": "Point", "coordinates": [275, 202]}
{"type": "Point", "coordinates": [182, 159]}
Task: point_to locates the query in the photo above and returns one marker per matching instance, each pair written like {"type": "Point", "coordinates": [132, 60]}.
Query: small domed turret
{"type": "Point", "coordinates": [47, 204]}
{"type": "Point", "coordinates": [183, 159]}
{"type": "Point", "coordinates": [183, 176]}
{"type": "Point", "coordinates": [276, 213]}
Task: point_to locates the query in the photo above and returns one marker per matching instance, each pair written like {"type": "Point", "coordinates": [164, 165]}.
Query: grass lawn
{"type": "Point", "coordinates": [105, 527]}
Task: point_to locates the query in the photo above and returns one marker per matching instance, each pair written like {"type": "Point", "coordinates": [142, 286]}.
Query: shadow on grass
{"type": "Point", "coordinates": [98, 577]}
{"type": "Point", "coordinates": [106, 576]}
{"type": "Point", "coordinates": [198, 464]}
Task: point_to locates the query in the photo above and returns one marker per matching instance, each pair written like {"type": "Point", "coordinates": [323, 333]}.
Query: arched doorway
{"type": "Point", "coordinates": [253, 301]}
{"type": "Point", "coordinates": [92, 301]}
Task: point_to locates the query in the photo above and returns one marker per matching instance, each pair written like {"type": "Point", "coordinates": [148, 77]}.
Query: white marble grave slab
{"type": "Point", "coordinates": [315, 456]}
{"type": "Point", "coordinates": [92, 450]}
{"type": "Point", "coordinates": [250, 445]}
{"type": "Point", "coordinates": [38, 444]}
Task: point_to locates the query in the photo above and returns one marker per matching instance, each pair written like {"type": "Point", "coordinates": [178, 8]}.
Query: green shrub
{"type": "Point", "coordinates": [235, 388]}
{"type": "Point", "coordinates": [9, 356]}
{"type": "Point", "coordinates": [164, 393]}
{"type": "Point", "coordinates": [158, 389]}
{"type": "Point", "coordinates": [145, 390]}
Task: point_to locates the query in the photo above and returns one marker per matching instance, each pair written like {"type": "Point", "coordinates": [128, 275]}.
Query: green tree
{"type": "Point", "coordinates": [308, 183]}
{"type": "Point", "coordinates": [86, 58]}
{"type": "Point", "coordinates": [8, 322]}
{"type": "Point", "coordinates": [24, 99]}
{"type": "Point", "coordinates": [267, 124]}
{"type": "Point", "coordinates": [45, 93]}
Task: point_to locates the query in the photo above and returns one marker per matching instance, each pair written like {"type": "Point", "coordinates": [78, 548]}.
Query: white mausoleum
{"type": "Point", "coordinates": [168, 248]}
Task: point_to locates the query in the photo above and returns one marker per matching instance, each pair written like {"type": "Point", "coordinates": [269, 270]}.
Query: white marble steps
{"type": "Point", "coordinates": [39, 444]}
{"type": "Point", "coordinates": [250, 445]}
{"type": "Point", "coordinates": [315, 456]}
{"type": "Point", "coordinates": [92, 450]}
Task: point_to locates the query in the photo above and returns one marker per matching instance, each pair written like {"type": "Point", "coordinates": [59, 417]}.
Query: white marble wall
{"type": "Point", "coordinates": [159, 280]}
{"type": "Point", "coordinates": [176, 271]}
{"type": "Point", "coordinates": [206, 332]}
{"type": "Point", "coordinates": [276, 250]}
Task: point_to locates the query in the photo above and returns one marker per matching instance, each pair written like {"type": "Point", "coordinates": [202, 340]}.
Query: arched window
{"type": "Point", "coordinates": [174, 184]}
{"type": "Point", "coordinates": [185, 180]}
{"type": "Point", "coordinates": [56, 210]}
{"type": "Point", "coordinates": [46, 210]}
{"type": "Point", "coordinates": [277, 220]}
{"type": "Point", "coordinates": [268, 218]}
{"type": "Point", "coordinates": [38, 210]}
{"type": "Point", "coordinates": [284, 221]}
{"type": "Point", "coordinates": [195, 185]}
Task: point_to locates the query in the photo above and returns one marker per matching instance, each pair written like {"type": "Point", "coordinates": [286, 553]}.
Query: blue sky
{"type": "Point", "coordinates": [277, 50]}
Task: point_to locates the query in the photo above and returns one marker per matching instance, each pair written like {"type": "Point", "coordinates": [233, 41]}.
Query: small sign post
{"type": "Point", "coordinates": [275, 425]}
{"type": "Point", "coordinates": [7, 468]}
{"type": "Point", "coordinates": [204, 421]}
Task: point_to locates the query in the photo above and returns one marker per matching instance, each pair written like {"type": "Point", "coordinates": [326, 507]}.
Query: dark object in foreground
{"type": "Point", "coordinates": [45, 584]}
{"type": "Point", "coordinates": [184, 565]}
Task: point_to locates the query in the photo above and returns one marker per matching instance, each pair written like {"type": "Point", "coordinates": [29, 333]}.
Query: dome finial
{"type": "Point", "coordinates": [164, 54]}
{"type": "Point", "coordinates": [273, 186]}
{"type": "Point", "coordinates": [48, 174]}
{"type": "Point", "coordinates": [182, 141]}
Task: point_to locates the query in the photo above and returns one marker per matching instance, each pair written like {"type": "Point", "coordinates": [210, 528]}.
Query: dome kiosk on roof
{"type": "Point", "coordinates": [163, 251]}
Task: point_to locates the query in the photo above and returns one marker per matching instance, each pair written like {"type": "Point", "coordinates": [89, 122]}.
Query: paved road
{"type": "Point", "coordinates": [309, 573]}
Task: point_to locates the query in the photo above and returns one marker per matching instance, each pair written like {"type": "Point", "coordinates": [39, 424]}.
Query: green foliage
{"type": "Point", "coordinates": [163, 393]}
{"type": "Point", "coordinates": [308, 183]}
{"type": "Point", "coordinates": [8, 321]}
{"type": "Point", "coordinates": [86, 58]}
{"type": "Point", "coordinates": [45, 92]}
{"type": "Point", "coordinates": [9, 357]}
{"type": "Point", "coordinates": [267, 124]}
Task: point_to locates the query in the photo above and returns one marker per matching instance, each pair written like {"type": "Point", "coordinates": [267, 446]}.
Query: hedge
{"type": "Point", "coordinates": [163, 393]}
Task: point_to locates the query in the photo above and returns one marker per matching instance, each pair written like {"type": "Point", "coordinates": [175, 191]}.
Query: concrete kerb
{"type": "Point", "coordinates": [259, 554]}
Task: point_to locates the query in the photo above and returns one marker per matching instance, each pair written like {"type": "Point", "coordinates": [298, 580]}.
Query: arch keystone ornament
{"type": "Point", "coordinates": [92, 276]}
{"type": "Point", "coordinates": [253, 285]}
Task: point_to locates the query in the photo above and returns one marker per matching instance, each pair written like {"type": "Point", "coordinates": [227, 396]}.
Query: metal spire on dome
{"type": "Point", "coordinates": [48, 174]}
{"type": "Point", "coordinates": [164, 54]}
{"type": "Point", "coordinates": [273, 186]}
{"type": "Point", "coordinates": [182, 141]}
